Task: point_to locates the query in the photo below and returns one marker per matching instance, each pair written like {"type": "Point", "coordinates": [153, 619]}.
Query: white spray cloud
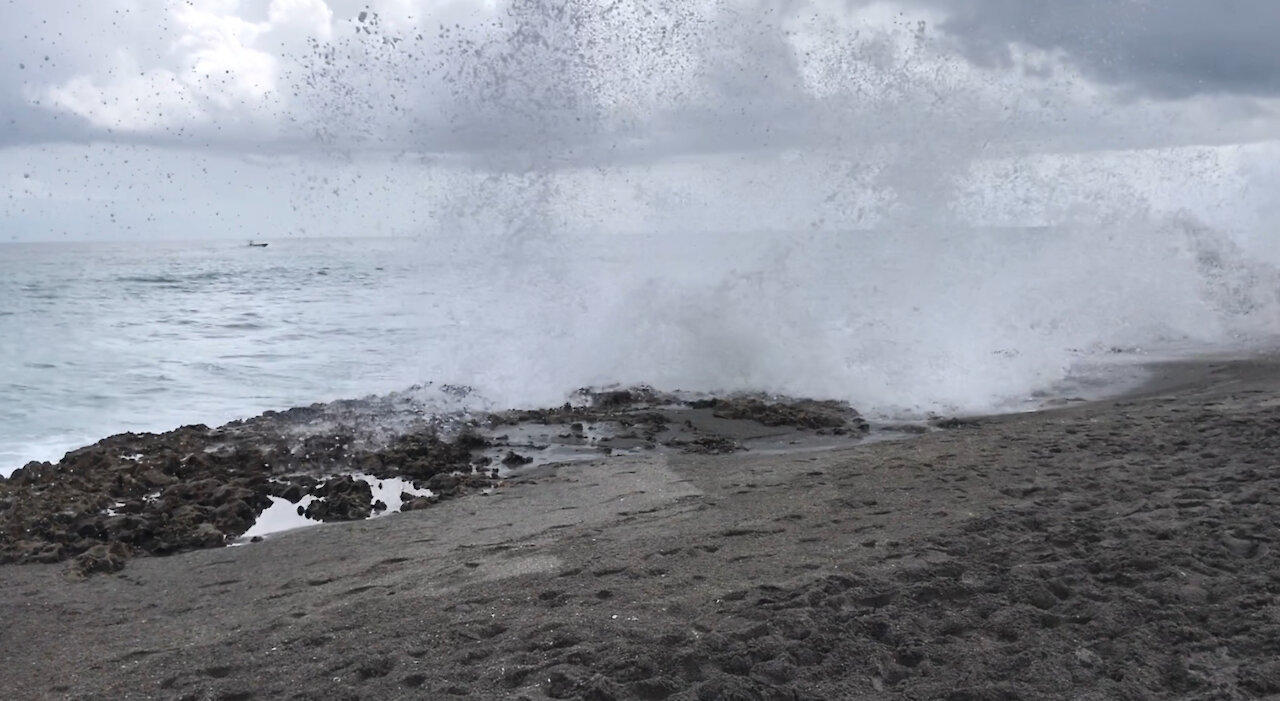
{"type": "Point", "coordinates": [788, 196]}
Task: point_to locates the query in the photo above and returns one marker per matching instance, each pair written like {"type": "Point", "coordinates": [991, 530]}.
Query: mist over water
{"type": "Point", "coordinates": [897, 322]}
{"type": "Point", "coordinates": [813, 199]}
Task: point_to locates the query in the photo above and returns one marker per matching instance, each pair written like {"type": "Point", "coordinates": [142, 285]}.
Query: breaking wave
{"type": "Point", "coordinates": [797, 198]}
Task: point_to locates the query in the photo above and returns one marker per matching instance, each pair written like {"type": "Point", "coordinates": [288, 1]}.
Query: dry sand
{"type": "Point", "coordinates": [1119, 549]}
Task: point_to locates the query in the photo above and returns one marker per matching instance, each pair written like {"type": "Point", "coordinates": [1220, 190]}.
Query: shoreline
{"type": "Point", "coordinates": [1092, 382]}
{"type": "Point", "coordinates": [1124, 548]}
{"type": "Point", "coordinates": [198, 487]}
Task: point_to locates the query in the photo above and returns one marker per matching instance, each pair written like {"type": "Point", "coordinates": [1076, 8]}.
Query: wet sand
{"type": "Point", "coordinates": [1118, 549]}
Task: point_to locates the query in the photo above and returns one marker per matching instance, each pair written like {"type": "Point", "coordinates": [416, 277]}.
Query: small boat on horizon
{"type": "Point", "coordinates": [254, 244]}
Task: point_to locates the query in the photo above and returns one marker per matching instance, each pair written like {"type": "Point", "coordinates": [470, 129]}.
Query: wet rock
{"type": "Point", "coordinates": [804, 413]}
{"type": "Point", "coordinates": [707, 445]}
{"type": "Point", "coordinates": [956, 422]}
{"type": "Point", "coordinates": [423, 456]}
{"type": "Point", "coordinates": [101, 559]}
{"type": "Point", "coordinates": [289, 491]}
{"type": "Point", "coordinates": [234, 517]}
{"type": "Point", "coordinates": [37, 551]}
{"type": "Point", "coordinates": [514, 459]}
{"type": "Point", "coordinates": [418, 503]}
{"type": "Point", "coordinates": [616, 399]}
{"type": "Point", "coordinates": [341, 499]}
{"type": "Point", "coordinates": [469, 441]}
{"type": "Point", "coordinates": [194, 487]}
{"type": "Point", "coordinates": [31, 473]}
{"type": "Point", "coordinates": [444, 483]}
{"type": "Point", "coordinates": [155, 479]}
{"type": "Point", "coordinates": [205, 535]}
{"type": "Point", "coordinates": [133, 529]}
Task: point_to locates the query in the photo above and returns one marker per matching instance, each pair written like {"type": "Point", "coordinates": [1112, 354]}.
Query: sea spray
{"type": "Point", "coordinates": [799, 198]}
{"type": "Point", "coordinates": [808, 198]}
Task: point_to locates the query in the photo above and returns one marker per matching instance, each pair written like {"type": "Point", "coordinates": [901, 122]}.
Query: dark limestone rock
{"type": "Point", "coordinates": [31, 473]}
{"type": "Point", "coordinates": [341, 499]}
{"type": "Point", "coordinates": [133, 529]}
{"type": "Point", "coordinates": [423, 456]}
{"type": "Point", "coordinates": [39, 551]}
{"type": "Point", "coordinates": [444, 483]}
{"type": "Point", "coordinates": [514, 459]}
{"type": "Point", "coordinates": [234, 517]}
{"type": "Point", "coordinates": [616, 399]}
{"type": "Point", "coordinates": [156, 494]}
{"type": "Point", "coordinates": [289, 491]}
{"type": "Point", "coordinates": [206, 535]}
{"type": "Point", "coordinates": [805, 413]}
{"type": "Point", "coordinates": [194, 487]}
{"type": "Point", "coordinates": [418, 503]}
{"type": "Point", "coordinates": [103, 558]}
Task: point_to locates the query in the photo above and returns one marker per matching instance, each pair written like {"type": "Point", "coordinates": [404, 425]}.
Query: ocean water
{"type": "Point", "coordinates": [100, 338]}
{"type": "Point", "coordinates": [106, 337]}
{"type": "Point", "coordinates": [812, 198]}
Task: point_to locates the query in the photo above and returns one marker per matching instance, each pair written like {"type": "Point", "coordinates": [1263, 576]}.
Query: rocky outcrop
{"type": "Point", "coordinates": [196, 487]}
{"type": "Point", "coordinates": [341, 499]}
{"type": "Point", "coordinates": [199, 487]}
{"type": "Point", "coordinates": [837, 417]}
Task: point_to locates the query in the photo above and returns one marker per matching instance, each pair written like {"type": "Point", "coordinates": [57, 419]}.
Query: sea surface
{"type": "Point", "coordinates": [105, 337]}
{"type": "Point", "coordinates": [824, 200]}
{"type": "Point", "coordinates": [99, 338]}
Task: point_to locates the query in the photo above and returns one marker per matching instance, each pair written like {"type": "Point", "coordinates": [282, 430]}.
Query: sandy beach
{"type": "Point", "coordinates": [1122, 549]}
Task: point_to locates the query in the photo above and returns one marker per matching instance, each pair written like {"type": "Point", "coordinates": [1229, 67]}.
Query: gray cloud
{"type": "Point", "coordinates": [1165, 48]}
{"type": "Point", "coordinates": [44, 44]}
{"type": "Point", "coordinates": [588, 82]}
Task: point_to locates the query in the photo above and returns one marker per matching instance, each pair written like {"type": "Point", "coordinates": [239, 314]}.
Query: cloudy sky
{"type": "Point", "coordinates": [256, 117]}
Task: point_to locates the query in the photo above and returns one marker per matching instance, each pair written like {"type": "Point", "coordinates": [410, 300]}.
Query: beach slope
{"type": "Point", "coordinates": [1117, 549]}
